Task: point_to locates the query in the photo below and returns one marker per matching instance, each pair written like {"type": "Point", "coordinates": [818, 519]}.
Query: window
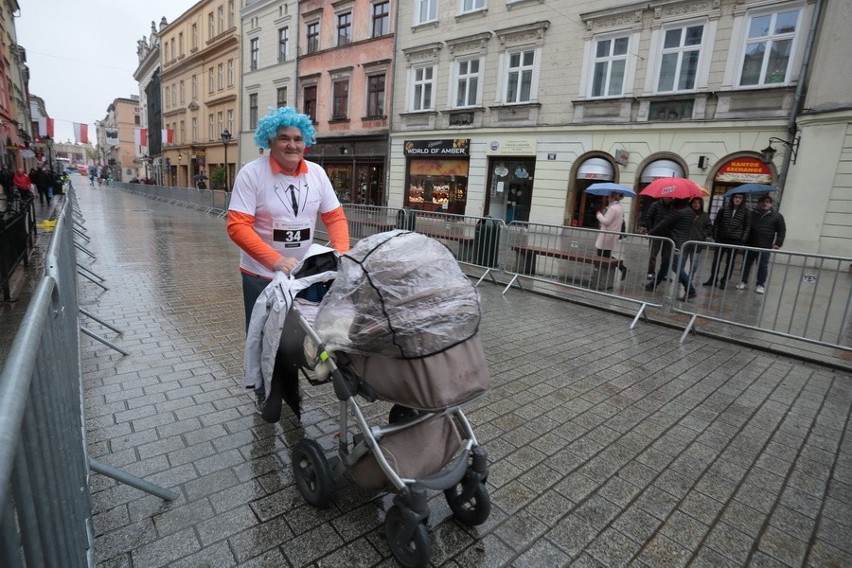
{"type": "Point", "coordinates": [472, 5]}
{"type": "Point", "coordinates": [425, 11]}
{"type": "Point", "coordinates": [174, 95]}
{"type": "Point", "coordinates": [211, 28]}
{"type": "Point", "coordinates": [230, 14]}
{"type": "Point", "coordinates": [253, 111]}
{"type": "Point", "coordinates": [182, 93]}
{"type": "Point", "coordinates": [180, 43]}
{"type": "Point", "coordinates": [172, 45]}
{"type": "Point", "coordinates": [254, 53]}
{"type": "Point", "coordinates": [381, 19]}
{"type": "Point", "coordinates": [230, 72]}
{"type": "Point", "coordinates": [194, 129]}
{"type": "Point", "coordinates": [768, 48]}
{"type": "Point", "coordinates": [344, 29]}
{"type": "Point", "coordinates": [679, 62]}
{"type": "Point", "coordinates": [281, 97]}
{"type": "Point", "coordinates": [221, 116]}
{"type": "Point", "coordinates": [221, 75]}
{"type": "Point", "coordinates": [194, 87]}
{"type": "Point", "coordinates": [230, 124]}
{"type": "Point", "coordinates": [311, 102]}
{"type": "Point", "coordinates": [220, 18]}
{"type": "Point", "coordinates": [340, 99]}
{"type": "Point", "coordinates": [422, 88]}
{"type": "Point", "coordinates": [194, 36]}
{"type": "Point", "coordinates": [210, 125]}
{"type": "Point", "coordinates": [519, 76]}
{"type": "Point", "coordinates": [182, 132]}
{"type": "Point", "coordinates": [313, 37]}
{"type": "Point", "coordinates": [210, 80]}
{"type": "Point", "coordinates": [376, 95]}
{"type": "Point", "coordinates": [467, 82]}
{"type": "Point", "coordinates": [609, 67]}
{"type": "Point", "coordinates": [283, 44]}
{"type": "Point", "coordinates": [166, 97]}
{"type": "Point", "coordinates": [166, 52]}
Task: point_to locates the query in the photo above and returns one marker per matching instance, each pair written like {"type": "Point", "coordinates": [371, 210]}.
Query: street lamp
{"type": "Point", "coordinates": [226, 139]}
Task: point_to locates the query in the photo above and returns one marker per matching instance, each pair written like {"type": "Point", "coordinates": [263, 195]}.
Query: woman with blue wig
{"type": "Point", "coordinates": [276, 200]}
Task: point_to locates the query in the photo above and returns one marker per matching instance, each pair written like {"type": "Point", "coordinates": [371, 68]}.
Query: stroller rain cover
{"type": "Point", "coordinates": [398, 294]}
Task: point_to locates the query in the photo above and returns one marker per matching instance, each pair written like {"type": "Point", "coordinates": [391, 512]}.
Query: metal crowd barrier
{"type": "Point", "coordinates": [210, 201]}
{"type": "Point", "coordinates": [45, 509]}
{"type": "Point", "coordinates": [17, 238]}
{"type": "Point", "coordinates": [807, 297]}
{"type": "Point", "coordinates": [567, 257]}
{"type": "Point", "coordinates": [554, 257]}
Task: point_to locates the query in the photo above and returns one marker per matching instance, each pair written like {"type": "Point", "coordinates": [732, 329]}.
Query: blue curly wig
{"type": "Point", "coordinates": [284, 117]}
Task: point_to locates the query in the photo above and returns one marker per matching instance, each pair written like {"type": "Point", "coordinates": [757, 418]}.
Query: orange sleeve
{"type": "Point", "coordinates": [338, 228]}
{"type": "Point", "coordinates": [241, 231]}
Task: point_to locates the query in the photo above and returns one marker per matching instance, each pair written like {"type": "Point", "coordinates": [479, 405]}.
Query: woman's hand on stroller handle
{"type": "Point", "coordinates": [285, 264]}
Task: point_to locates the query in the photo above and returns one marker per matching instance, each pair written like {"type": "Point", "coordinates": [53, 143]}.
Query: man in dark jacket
{"type": "Point", "coordinates": [730, 227]}
{"type": "Point", "coordinates": [767, 232]}
{"type": "Point", "coordinates": [677, 226]}
{"type": "Point", "coordinates": [655, 213]}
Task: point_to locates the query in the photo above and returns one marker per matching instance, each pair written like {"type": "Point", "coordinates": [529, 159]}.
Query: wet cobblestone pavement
{"type": "Point", "coordinates": [607, 446]}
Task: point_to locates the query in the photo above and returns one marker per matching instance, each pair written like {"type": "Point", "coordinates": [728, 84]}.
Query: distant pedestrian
{"type": "Point", "coordinates": [676, 226]}
{"type": "Point", "coordinates": [93, 173]}
{"type": "Point", "coordinates": [611, 217]}
{"type": "Point", "coordinates": [730, 227]}
{"type": "Point", "coordinates": [702, 230]}
{"type": "Point", "coordinates": [768, 231]}
{"type": "Point", "coordinates": [23, 184]}
{"type": "Point", "coordinates": [43, 181]}
{"type": "Point", "coordinates": [656, 212]}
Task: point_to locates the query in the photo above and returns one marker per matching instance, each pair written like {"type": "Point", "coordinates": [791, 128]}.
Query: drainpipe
{"type": "Point", "coordinates": [798, 100]}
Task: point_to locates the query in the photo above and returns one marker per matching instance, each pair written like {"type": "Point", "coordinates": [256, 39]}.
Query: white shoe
{"type": "Point", "coordinates": [742, 286]}
{"type": "Point", "coordinates": [760, 290]}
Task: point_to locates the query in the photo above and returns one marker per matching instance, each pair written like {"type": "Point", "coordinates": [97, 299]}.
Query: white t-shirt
{"type": "Point", "coordinates": [285, 208]}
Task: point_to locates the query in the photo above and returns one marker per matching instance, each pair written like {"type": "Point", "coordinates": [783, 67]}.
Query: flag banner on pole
{"type": "Point", "coordinates": [45, 126]}
{"type": "Point", "coordinates": [111, 135]}
{"type": "Point", "coordinates": [140, 136]}
{"type": "Point", "coordinates": [81, 133]}
{"type": "Point", "coordinates": [168, 136]}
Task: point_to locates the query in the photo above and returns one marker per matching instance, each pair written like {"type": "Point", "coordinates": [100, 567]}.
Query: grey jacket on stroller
{"type": "Point", "coordinates": [399, 325]}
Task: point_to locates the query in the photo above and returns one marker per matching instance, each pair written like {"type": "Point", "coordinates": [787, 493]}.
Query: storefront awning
{"type": "Point", "coordinates": [661, 169]}
{"type": "Point", "coordinates": [596, 168]}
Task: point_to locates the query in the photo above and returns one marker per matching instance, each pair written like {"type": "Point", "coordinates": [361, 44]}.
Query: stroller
{"type": "Point", "coordinates": [398, 325]}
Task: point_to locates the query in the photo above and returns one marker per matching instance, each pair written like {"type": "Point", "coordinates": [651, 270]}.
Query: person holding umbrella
{"type": "Point", "coordinates": [610, 216]}
{"type": "Point", "coordinates": [768, 231]}
{"type": "Point", "coordinates": [677, 227]}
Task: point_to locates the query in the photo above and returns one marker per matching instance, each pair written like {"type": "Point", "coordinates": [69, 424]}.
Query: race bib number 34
{"type": "Point", "coordinates": [291, 236]}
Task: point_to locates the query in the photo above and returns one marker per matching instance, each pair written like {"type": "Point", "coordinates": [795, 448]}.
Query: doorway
{"type": "Point", "coordinates": [510, 187]}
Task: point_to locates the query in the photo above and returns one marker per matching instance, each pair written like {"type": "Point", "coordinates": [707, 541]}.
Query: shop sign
{"type": "Point", "coordinates": [744, 170]}
{"type": "Point", "coordinates": [512, 147]}
{"type": "Point", "coordinates": [437, 148]}
{"type": "Point", "coordinates": [27, 154]}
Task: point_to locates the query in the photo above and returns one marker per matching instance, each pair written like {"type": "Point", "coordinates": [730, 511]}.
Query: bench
{"type": "Point", "coordinates": [602, 279]}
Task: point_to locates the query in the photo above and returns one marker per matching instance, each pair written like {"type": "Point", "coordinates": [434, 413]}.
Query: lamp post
{"type": "Point", "coordinates": [145, 160]}
{"type": "Point", "coordinates": [226, 139]}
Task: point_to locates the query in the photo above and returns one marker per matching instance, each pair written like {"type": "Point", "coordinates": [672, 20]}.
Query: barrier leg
{"type": "Point", "coordinates": [639, 314]}
{"type": "Point", "coordinates": [97, 337]}
{"type": "Point", "coordinates": [132, 480]}
{"type": "Point", "coordinates": [689, 327]}
{"type": "Point", "coordinates": [512, 281]}
{"type": "Point", "coordinates": [97, 319]}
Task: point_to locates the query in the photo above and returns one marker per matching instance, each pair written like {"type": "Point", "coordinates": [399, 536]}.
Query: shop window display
{"type": "Point", "coordinates": [438, 185]}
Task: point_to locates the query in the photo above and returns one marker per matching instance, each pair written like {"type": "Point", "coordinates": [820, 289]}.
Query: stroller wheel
{"type": "Point", "coordinates": [408, 539]}
{"type": "Point", "coordinates": [312, 472]}
{"type": "Point", "coordinates": [470, 505]}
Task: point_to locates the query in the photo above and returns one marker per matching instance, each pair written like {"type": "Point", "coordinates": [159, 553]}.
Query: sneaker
{"type": "Point", "coordinates": [759, 289]}
{"type": "Point", "coordinates": [650, 276]}
{"type": "Point", "coordinates": [742, 286]}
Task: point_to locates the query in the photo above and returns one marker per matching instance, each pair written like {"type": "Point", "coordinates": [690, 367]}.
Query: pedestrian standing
{"type": "Point", "coordinates": [730, 227]}
{"type": "Point", "coordinates": [23, 184]}
{"type": "Point", "coordinates": [768, 231]}
{"type": "Point", "coordinates": [656, 212]}
{"type": "Point", "coordinates": [676, 226]}
{"type": "Point", "coordinates": [702, 230]}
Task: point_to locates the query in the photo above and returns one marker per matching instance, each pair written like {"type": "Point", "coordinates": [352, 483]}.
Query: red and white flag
{"type": "Point", "coordinates": [81, 133]}
{"type": "Point", "coordinates": [168, 136]}
{"type": "Point", "coordinates": [45, 126]}
{"type": "Point", "coordinates": [140, 136]}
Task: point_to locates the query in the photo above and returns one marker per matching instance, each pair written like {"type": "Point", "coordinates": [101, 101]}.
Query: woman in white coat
{"type": "Point", "coordinates": [611, 218]}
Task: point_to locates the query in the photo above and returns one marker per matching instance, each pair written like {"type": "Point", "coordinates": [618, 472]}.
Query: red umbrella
{"type": "Point", "coordinates": [677, 188]}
